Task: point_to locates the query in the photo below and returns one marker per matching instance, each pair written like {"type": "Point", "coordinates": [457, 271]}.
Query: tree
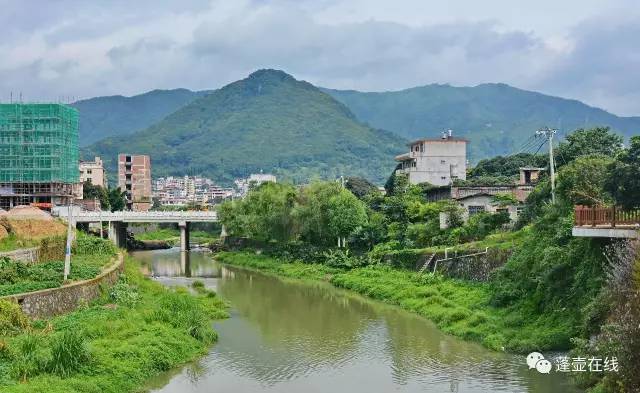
{"type": "Point", "coordinates": [503, 169]}
{"type": "Point", "coordinates": [345, 214]}
{"type": "Point", "coordinates": [265, 214]}
{"type": "Point", "coordinates": [92, 192]}
{"type": "Point", "coordinates": [587, 142]}
{"type": "Point", "coordinates": [117, 199]}
{"type": "Point", "coordinates": [359, 186]}
{"type": "Point", "coordinates": [581, 182]}
{"type": "Point", "coordinates": [311, 211]}
{"type": "Point", "coordinates": [623, 180]}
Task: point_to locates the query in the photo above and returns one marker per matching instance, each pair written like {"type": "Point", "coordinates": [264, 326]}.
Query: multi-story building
{"type": "Point", "coordinates": [134, 177]}
{"type": "Point", "coordinates": [38, 154]}
{"type": "Point", "coordinates": [244, 185]}
{"type": "Point", "coordinates": [438, 161]}
{"type": "Point", "coordinates": [180, 191]}
{"type": "Point", "coordinates": [93, 172]}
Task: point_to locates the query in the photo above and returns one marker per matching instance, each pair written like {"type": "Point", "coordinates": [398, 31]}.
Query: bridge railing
{"type": "Point", "coordinates": [132, 215]}
{"type": "Point", "coordinates": [606, 216]}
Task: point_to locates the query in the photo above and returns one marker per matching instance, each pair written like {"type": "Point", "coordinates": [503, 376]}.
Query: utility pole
{"type": "Point", "coordinates": [549, 133]}
{"type": "Point", "coordinates": [67, 254]}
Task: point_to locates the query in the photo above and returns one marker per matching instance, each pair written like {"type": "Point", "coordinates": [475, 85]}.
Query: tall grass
{"type": "Point", "coordinates": [69, 352]}
{"type": "Point", "coordinates": [120, 346]}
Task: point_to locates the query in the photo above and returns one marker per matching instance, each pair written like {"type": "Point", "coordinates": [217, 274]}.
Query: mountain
{"type": "Point", "coordinates": [119, 115]}
{"type": "Point", "coordinates": [496, 118]}
{"type": "Point", "coordinates": [268, 121]}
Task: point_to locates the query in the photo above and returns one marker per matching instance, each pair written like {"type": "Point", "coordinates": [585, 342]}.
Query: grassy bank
{"type": "Point", "coordinates": [457, 307]}
{"type": "Point", "coordinates": [90, 256]}
{"type": "Point", "coordinates": [134, 331]}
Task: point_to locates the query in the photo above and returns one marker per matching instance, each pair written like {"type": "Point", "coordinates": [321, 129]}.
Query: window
{"type": "Point", "coordinates": [475, 209]}
{"type": "Point", "coordinates": [502, 210]}
{"type": "Point", "coordinates": [88, 171]}
{"type": "Point", "coordinates": [443, 177]}
{"type": "Point", "coordinates": [413, 164]}
{"type": "Point", "coordinates": [443, 162]}
{"type": "Point", "coordinates": [519, 210]}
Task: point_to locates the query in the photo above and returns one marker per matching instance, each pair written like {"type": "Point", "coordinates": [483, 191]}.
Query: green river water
{"type": "Point", "coordinates": [290, 336]}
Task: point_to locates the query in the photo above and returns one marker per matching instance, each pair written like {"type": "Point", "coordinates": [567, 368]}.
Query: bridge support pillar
{"type": "Point", "coordinates": [184, 235]}
{"type": "Point", "coordinates": [118, 233]}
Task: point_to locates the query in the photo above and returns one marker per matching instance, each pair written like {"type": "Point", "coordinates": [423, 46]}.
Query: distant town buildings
{"type": "Point", "coordinates": [244, 185]}
{"type": "Point", "coordinates": [134, 177]}
{"type": "Point", "coordinates": [437, 161]}
{"type": "Point", "coordinates": [38, 154]}
{"type": "Point", "coordinates": [93, 172]}
{"type": "Point", "coordinates": [181, 191]}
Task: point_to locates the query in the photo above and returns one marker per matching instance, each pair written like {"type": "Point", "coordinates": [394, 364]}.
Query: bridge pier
{"type": "Point", "coordinates": [184, 235]}
{"type": "Point", "coordinates": [118, 233]}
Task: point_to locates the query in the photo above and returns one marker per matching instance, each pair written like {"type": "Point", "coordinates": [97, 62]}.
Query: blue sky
{"type": "Point", "coordinates": [586, 49]}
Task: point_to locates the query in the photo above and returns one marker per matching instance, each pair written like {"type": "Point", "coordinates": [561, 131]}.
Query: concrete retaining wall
{"type": "Point", "coordinates": [55, 301]}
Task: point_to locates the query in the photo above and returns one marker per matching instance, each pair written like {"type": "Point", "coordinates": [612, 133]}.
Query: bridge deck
{"type": "Point", "coordinates": [129, 216]}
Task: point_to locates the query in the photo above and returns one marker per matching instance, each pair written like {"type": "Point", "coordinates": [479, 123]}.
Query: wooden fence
{"type": "Point", "coordinates": [606, 216]}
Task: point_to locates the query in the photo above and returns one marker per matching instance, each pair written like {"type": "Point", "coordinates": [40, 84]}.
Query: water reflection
{"type": "Point", "coordinates": [287, 336]}
{"type": "Point", "coordinates": [173, 263]}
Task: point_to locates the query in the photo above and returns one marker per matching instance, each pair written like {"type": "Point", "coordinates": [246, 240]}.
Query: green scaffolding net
{"type": "Point", "coordinates": [38, 143]}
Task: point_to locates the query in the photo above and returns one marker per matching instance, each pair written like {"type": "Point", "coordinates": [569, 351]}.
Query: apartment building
{"type": "Point", "coordinates": [134, 177]}
{"type": "Point", "coordinates": [93, 172]}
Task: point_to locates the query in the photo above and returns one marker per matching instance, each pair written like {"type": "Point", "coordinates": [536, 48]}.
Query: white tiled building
{"type": "Point", "coordinates": [437, 161]}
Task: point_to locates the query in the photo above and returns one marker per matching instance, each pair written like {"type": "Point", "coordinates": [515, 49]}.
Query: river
{"type": "Point", "coordinates": [290, 336]}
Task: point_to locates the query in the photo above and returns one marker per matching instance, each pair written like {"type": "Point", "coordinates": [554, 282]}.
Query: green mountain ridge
{"type": "Point", "coordinates": [118, 115]}
{"type": "Point", "coordinates": [267, 122]}
{"type": "Point", "coordinates": [495, 117]}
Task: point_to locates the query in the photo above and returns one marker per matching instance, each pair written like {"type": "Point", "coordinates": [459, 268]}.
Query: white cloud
{"type": "Point", "coordinates": [584, 50]}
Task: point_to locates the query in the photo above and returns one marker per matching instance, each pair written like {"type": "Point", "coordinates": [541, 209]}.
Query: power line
{"type": "Point", "coordinates": [549, 133]}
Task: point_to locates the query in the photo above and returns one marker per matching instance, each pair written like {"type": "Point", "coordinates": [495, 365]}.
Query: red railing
{"type": "Point", "coordinates": [606, 216]}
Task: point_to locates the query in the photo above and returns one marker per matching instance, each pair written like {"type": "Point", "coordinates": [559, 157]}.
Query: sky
{"type": "Point", "coordinates": [69, 49]}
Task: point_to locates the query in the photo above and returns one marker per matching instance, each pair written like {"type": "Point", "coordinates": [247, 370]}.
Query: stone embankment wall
{"type": "Point", "coordinates": [477, 267]}
{"type": "Point", "coordinates": [26, 255]}
{"type": "Point", "coordinates": [55, 301]}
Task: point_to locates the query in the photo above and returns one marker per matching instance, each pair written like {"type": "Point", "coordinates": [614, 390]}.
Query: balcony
{"type": "Point", "coordinates": [611, 222]}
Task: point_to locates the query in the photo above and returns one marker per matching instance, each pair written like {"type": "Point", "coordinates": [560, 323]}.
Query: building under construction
{"type": "Point", "coordinates": [38, 154]}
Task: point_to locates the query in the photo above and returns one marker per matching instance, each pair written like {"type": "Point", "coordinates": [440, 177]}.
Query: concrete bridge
{"type": "Point", "coordinates": [118, 221]}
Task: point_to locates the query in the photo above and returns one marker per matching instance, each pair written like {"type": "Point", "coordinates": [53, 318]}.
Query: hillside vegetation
{"type": "Point", "coordinates": [101, 117]}
{"type": "Point", "coordinates": [268, 121]}
{"type": "Point", "coordinates": [495, 117]}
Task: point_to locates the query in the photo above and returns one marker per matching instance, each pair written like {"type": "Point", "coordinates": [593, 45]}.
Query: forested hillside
{"type": "Point", "coordinates": [102, 117]}
{"type": "Point", "coordinates": [496, 117]}
{"type": "Point", "coordinates": [268, 121]}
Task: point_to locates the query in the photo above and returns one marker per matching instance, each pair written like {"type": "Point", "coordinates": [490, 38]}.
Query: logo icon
{"type": "Point", "coordinates": [536, 360]}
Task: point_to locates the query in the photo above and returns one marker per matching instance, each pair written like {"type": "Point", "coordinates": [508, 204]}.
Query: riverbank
{"type": "Point", "coordinates": [457, 307]}
{"type": "Point", "coordinates": [169, 237]}
{"type": "Point", "coordinates": [136, 330]}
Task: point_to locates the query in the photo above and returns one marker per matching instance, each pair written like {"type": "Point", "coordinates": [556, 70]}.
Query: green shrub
{"type": "Point", "coordinates": [12, 319]}
{"type": "Point", "coordinates": [197, 284]}
{"type": "Point", "coordinates": [124, 294]}
{"type": "Point", "coordinates": [342, 259]}
{"type": "Point", "coordinates": [69, 353]}
{"type": "Point", "coordinates": [91, 245]}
